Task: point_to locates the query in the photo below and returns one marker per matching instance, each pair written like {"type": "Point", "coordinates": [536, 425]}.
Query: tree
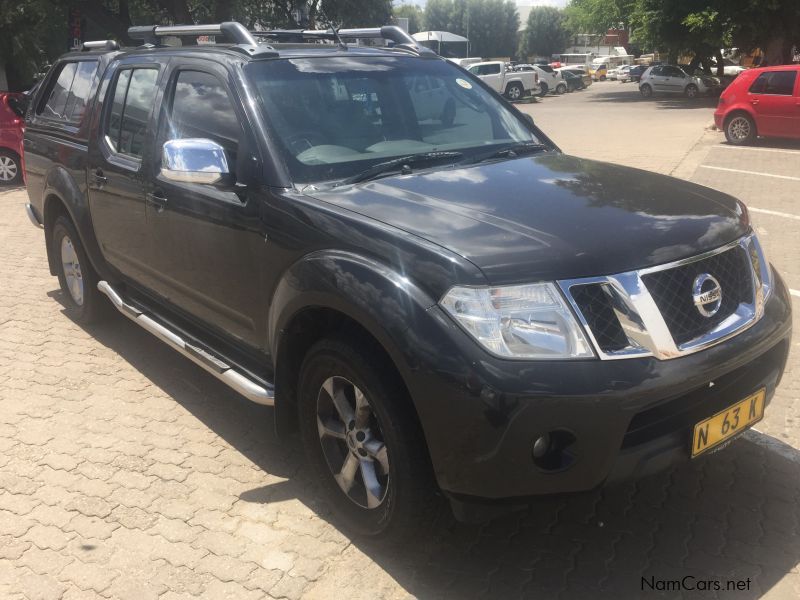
{"type": "Point", "coordinates": [545, 32]}
{"type": "Point", "coordinates": [414, 14]}
{"type": "Point", "coordinates": [490, 25]}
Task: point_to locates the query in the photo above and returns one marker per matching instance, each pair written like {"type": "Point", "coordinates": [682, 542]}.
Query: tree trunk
{"type": "Point", "coordinates": [720, 64]}
{"type": "Point", "coordinates": [777, 51]}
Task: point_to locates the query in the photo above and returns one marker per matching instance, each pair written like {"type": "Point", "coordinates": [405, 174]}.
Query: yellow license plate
{"type": "Point", "coordinates": [727, 423]}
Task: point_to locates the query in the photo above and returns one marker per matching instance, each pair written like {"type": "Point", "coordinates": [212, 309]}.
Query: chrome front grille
{"type": "Point", "coordinates": [652, 311]}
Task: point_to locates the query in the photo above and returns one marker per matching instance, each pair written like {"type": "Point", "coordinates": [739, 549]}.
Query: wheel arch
{"type": "Point", "coordinates": [740, 110]}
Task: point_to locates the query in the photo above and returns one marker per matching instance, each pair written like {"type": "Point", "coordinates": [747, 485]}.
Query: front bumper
{"type": "Point", "coordinates": [628, 418]}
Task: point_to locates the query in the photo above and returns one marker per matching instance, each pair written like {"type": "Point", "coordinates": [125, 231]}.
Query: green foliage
{"type": "Point", "coordinates": [491, 25]}
{"type": "Point", "coordinates": [414, 14]}
{"type": "Point", "coordinates": [545, 32]}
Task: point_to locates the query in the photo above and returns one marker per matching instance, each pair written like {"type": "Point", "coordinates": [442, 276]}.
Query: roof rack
{"type": "Point", "coordinates": [100, 45]}
{"type": "Point", "coordinates": [236, 32]}
{"type": "Point", "coordinates": [391, 33]}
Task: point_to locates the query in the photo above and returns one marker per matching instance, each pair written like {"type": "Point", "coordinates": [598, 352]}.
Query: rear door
{"type": "Point", "coordinates": [674, 79]}
{"type": "Point", "coordinates": [774, 98]}
{"type": "Point", "coordinates": [115, 175]}
{"type": "Point", "coordinates": [208, 247]}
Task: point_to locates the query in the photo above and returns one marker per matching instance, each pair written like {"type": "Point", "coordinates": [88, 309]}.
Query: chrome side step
{"type": "Point", "coordinates": [245, 386]}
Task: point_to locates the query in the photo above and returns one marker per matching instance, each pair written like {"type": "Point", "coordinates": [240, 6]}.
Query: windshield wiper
{"type": "Point", "coordinates": [403, 162]}
{"type": "Point", "coordinates": [511, 151]}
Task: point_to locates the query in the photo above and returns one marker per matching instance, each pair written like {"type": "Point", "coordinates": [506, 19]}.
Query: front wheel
{"type": "Point", "coordinates": [740, 130]}
{"type": "Point", "coordinates": [76, 276]}
{"type": "Point", "coordinates": [544, 90]}
{"type": "Point", "coordinates": [561, 88]}
{"type": "Point", "coordinates": [692, 91]}
{"type": "Point", "coordinates": [514, 91]}
{"type": "Point", "coordinates": [646, 91]}
{"type": "Point", "coordinates": [363, 441]}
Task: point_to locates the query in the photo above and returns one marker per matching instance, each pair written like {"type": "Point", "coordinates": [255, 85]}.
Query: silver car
{"type": "Point", "coordinates": [669, 79]}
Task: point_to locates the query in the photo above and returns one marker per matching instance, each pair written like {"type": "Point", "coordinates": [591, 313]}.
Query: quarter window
{"type": "Point", "coordinates": [780, 83]}
{"type": "Point", "coordinates": [133, 98]}
{"type": "Point", "coordinates": [70, 93]}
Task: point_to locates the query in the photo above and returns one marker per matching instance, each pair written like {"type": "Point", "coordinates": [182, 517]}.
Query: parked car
{"type": "Point", "coordinates": [619, 72]}
{"type": "Point", "coordinates": [585, 77]}
{"type": "Point", "coordinates": [514, 85]}
{"type": "Point", "coordinates": [549, 79]}
{"type": "Point", "coordinates": [572, 82]}
{"type": "Point", "coordinates": [761, 102]}
{"type": "Point", "coordinates": [670, 79]}
{"type": "Point", "coordinates": [634, 73]}
{"type": "Point", "coordinates": [12, 127]}
{"type": "Point", "coordinates": [598, 72]}
{"type": "Point", "coordinates": [442, 310]}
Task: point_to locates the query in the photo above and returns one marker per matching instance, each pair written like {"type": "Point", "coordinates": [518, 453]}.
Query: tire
{"type": "Point", "coordinates": [561, 88]}
{"type": "Point", "coordinates": [740, 129]}
{"type": "Point", "coordinates": [405, 501]}
{"type": "Point", "coordinates": [76, 276]}
{"type": "Point", "coordinates": [691, 91]}
{"type": "Point", "coordinates": [545, 89]}
{"type": "Point", "coordinates": [10, 168]}
{"type": "Point", "coordinates": [602, 77]}
{"type": "Point", "coordinates": [514, 91]}
{"type": "Point", "coordinates": [646, 91]}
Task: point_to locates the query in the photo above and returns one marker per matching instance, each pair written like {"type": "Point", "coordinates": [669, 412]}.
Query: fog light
{"type": "Point", "coordinates": [541, 445]}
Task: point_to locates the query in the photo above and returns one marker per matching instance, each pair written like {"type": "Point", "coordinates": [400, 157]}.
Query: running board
{"type": "Point", "coordinates": [244, 385]}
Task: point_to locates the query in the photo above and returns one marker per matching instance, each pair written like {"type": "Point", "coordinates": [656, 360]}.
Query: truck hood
{"type": "Point", "coordinates": [551, 216]}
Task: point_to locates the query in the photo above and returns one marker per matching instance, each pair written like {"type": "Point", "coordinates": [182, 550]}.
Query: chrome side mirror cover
{"type": "Point", "coordinates": [194, 160]}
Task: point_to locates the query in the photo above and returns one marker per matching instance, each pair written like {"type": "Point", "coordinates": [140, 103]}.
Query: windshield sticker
{"type": "Point", "coordinates": [464, 83]}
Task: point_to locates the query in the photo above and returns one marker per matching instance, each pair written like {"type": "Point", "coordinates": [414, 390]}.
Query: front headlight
{"type": "Point", "coordinates": [522, 321]}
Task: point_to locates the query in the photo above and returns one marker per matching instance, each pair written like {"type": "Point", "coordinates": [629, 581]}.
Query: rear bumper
{"type": "Point", "coordinates": [719, 119]}
{"type": "Point", "coordinates": [621, 419]}
{"type": "Point", "coordinates": [31, 212]}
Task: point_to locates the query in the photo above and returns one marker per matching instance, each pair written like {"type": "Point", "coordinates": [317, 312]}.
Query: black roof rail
{"type": "Point", "coordinates": [100, 45]}
{"type": "Point", "coordinates": [236, 32]}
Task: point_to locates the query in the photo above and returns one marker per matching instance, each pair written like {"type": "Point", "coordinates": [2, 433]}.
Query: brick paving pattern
{"type": "Point", "coordinates": [127, 472]}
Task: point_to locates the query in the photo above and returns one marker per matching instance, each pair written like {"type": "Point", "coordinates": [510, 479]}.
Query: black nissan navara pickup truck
{"type": "Point", "coordinates": [369, 239]}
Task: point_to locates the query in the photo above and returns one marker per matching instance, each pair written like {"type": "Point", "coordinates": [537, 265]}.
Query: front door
{"type": "Point", "coordinates": [115, 178]}
{"type": "Point", "coordinates": [776, 104]}
{"type": "Point", "coordinates": [207, 240]}
{"type": "Point", "coordinates": [673, 80]}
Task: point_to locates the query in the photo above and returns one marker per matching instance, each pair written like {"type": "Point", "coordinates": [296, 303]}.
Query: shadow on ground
{"type": "Point", "coordinates": [734, 515]}
{"type": "Point", "coordinates": [662, 101]}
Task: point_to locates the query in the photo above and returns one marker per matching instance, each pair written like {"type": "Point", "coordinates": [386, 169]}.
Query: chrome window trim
{"type": "Point", "coordinates": [642, 322]}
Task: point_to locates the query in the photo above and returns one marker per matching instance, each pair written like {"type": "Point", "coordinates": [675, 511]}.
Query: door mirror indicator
{"type": "Point", "coordinates": [194, 160]}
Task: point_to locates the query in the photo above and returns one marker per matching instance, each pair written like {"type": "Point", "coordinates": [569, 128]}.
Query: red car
{"type": "Point", "coordinates": [761, 102]}
{"type": "Point", "coordinates": [12, 126]}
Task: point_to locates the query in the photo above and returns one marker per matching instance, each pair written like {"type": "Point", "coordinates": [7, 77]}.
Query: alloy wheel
{"type": "Point", "coordinates": [8, 168]}
{"type": "Point", "coordinates": [352, 442]}
{"type": "Point", "coordinates": [514, 93]}
{"type": "Point", "coordinates": [739, 128]}
{"type": "Point", "coordinates": [72, 270]}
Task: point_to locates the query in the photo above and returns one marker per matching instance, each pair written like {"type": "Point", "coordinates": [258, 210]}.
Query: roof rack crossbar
{"type": "Point", "coordinates": [235, 31]}
{"type": "Point", "coordinates": [100, 44]}
{"type": "Point", "coordinates": [388, 32]}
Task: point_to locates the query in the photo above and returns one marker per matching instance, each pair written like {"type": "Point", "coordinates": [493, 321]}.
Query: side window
{"type": "Point", "coordinates": [492, 69]}
{"type": "Point", "coordinates": [197, 93]}
{"type": "Point", "coordinates": [780, 83]}
{"type": "Point", "coordinates": [474, 70]}
{"type": "Point", "coordinates": [133, 98]}
{"type": "Point", "coordinates": [57, 100]}
{"type": "Point", "coordinates": [79, 93]}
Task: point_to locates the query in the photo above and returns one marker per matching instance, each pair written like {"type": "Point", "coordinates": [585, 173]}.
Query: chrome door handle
{"type": "Point", "coordinates": [157, 202]}
{"type": "Point", "coordinates": [99, 179]}
{"type": "Point", "coordinates": [753, 102]}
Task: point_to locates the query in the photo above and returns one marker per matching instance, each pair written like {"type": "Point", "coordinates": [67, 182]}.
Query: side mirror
{"type": "Point", "coordinates": [528, 118]}
{"type": "Point", "coordinates": [194, 160]}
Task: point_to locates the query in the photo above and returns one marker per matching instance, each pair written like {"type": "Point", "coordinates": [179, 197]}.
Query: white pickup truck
{"type": "Point", "coordinates": [513, 84]}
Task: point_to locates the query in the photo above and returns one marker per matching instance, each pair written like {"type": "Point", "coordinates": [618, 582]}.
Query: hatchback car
{"type": "Point", "coordinates": [760, 102]}
{"type": "Point", "coordinates": [11, 130]}
{"type": "Point", "coordinates": [670, 79]}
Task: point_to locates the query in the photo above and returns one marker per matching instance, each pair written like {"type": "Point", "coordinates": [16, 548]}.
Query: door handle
{"type": "Point", "coordinates": [157, 202]}
{"type": "Point", "coordinates": [99, 179]}
{"type": "Point", "coordinates": [753, 102]}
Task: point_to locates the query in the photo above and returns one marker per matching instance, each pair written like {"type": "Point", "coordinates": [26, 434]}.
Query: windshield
{"type": "Point", "coordinates": [334, 117]}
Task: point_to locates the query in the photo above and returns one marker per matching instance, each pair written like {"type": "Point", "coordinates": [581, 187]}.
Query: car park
{"type": "Point", "coordinates": [761, 102]}
{"type": "Point", "coordinates": [671, 79]}
{"type": "Point", "coordinates": [439, 307]}
{"type": "Point", "coordinates": [498, 75]}
{"type": "Point", "coordinates": [12, 127]}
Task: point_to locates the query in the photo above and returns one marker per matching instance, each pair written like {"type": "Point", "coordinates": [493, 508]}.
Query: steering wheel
{"type": "Point", "coordinates": [303, 140]}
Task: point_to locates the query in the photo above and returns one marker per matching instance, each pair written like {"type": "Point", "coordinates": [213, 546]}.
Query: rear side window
{"type": "Point", "coordinates": [780, 83]}
{"type": "Point", "coordinates": [69, 95]}
{"type": "Point", "coordinates": [133, 96]}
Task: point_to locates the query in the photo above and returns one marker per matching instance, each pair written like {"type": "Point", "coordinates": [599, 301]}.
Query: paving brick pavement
{"type": "Point", "coordinates": [127, 472]}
